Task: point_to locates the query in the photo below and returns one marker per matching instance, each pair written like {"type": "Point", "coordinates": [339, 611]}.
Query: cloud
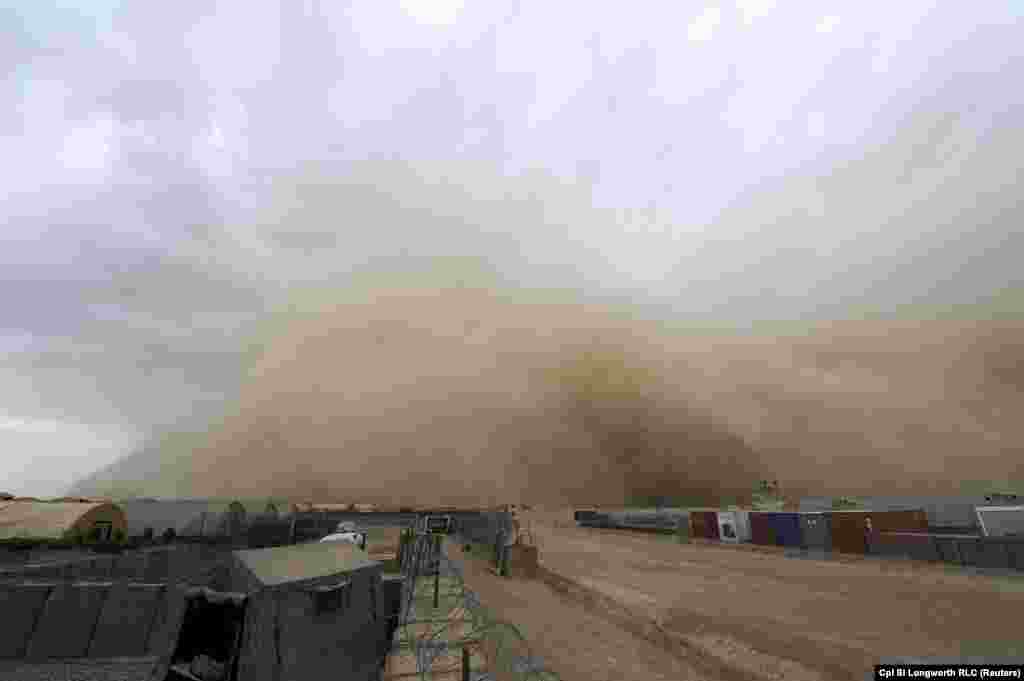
{"type": "Point", "coordinates": [166, 195]}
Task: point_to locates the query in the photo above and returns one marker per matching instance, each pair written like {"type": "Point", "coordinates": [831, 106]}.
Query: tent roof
{"type": "Point", "coordinates": [41, 519]}
{"type": "Point", "coordinates": [301, 562]}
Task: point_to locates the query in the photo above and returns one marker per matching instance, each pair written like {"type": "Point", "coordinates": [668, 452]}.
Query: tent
{"type": "Point", "coordinates": [61, 521]}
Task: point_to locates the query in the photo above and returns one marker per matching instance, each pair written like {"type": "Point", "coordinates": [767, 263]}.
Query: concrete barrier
{"type": "Point", "coordinates": [126, 620]}
{"type": "Point", "coordinates": [21, 606]}
{"type": "Point", "coordinates": [166, 624]}
{"type": "Point", "coordinates": [68, 621]}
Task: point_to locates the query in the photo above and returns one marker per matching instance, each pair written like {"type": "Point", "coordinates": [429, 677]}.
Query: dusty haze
{"type": "Point", "coordinates": [481, 395]}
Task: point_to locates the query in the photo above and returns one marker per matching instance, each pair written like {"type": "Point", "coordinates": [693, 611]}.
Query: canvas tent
{"type": "Point", "coordinates": [305, 611]}
{"type": "Point", "coordinates": [61, 521]}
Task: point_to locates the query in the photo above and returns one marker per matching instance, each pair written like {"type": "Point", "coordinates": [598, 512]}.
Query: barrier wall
{"type": "Point", "coordinates": [966, 550]}
{"type": "Point", "coordinates": [183, 562]}
{"type": "Point", "coordinates": [126, 621]}
{"type": "Point", "coordinates": [21, 605]}
{"type": "Point", "coordinates": [68, 621]}
{"type": "Point", "coordinates": [79, 620]}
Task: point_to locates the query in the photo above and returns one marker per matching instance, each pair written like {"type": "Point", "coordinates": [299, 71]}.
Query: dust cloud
{"type": "Point", "coordinates": [467, 394]}
{"type": "Point", "coordinates": [430, 346]}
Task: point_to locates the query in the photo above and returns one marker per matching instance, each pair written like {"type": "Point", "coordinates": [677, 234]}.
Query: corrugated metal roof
{"type": "Point", "coordinates": [41, 520]}
{"type": "Point", "coordinates": [286, 564]}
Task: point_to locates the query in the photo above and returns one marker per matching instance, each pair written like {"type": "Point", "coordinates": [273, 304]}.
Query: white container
{"type": "Point", "coordinates": [734, 526]}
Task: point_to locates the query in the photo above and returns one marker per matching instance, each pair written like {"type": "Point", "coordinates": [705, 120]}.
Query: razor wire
{"type": "Point", "coordinates": [505, 652]}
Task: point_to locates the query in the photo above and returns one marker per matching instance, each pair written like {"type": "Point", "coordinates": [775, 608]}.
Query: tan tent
{"type": "Point", "coordinates": [55, 520]}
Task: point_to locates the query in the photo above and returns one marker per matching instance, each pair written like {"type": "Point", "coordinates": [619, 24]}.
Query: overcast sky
{"type": "Point", "coordinates": [170, 168]}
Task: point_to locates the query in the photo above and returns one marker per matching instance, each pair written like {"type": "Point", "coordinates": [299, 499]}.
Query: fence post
{"type": "Point", "coordinates": [437, 586]}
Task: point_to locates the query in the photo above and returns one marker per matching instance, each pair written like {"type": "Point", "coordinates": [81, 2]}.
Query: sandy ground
{"type": "Point", "coordinates": [732, 612]}
{"type": "Point", "coordinates": [577, 644]}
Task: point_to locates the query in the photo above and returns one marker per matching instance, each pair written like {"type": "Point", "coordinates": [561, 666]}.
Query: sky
{"type": "Point", "coordinates": [174, 172]}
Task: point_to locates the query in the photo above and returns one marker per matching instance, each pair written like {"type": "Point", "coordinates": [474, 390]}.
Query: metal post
{"type": "Point", "coordinates": [437, 572]}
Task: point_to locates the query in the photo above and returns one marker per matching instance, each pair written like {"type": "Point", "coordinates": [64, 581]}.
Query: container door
{"type": "Point", "coordinates": [727, 527]}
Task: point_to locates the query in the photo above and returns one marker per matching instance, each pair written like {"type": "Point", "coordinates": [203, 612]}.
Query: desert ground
{"type": "Point", "coordinates": [612, 605]}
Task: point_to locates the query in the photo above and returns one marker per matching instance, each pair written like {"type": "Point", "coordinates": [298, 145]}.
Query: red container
{"type": "Point", "coordinates": [711, 523]}
{"type": "Point", "coordinates": [704, 524]}
{"type": "Point", "coordinates": [761, 530]}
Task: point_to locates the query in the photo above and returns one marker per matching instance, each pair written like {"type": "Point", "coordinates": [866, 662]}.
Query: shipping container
{"type": "Point", "coordinates": [786, 528]}
{"type": "Point", "coordinates": [761, 531]}
{"type": "Point", "coordinates": [944, 513]}
{"type": "Point", "coordinates": [816, 531]}
{"type": "Point", "coordinates": [704, 524]}
{"type": "Point", "coordinates": [711, 522]}
{"type": "Point", "coordinates": [734, 526]}
{"type": "Point", "coordinates": [913, 545]}
{"type": "Point", "coordinates": [848, 527]}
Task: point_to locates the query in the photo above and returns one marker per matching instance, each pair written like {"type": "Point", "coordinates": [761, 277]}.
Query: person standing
{"type": "Point", "coordinates": [868, 535]}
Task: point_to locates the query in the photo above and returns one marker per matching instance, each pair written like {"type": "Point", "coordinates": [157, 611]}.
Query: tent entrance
{"type": "Point", "coordinates": [210, 637]}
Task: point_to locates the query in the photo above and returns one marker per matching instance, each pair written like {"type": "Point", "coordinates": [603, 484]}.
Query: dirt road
{"type": "Point", "coordinates": [743, 614]}
{"type": "Point", "coordinates": [574, 641]}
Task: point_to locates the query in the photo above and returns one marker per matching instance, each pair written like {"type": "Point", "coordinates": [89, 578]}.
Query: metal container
{"type": "Point", "coordinates": [816, 531]}
{"type": "Point", "coordinates": [848, 527]}
{"type": "Point", "coordinates": [848, 531]}
{"type": "Point", "coordinates": [786, 528]}
{"type": "Point", "coordinates": [913, 545]}
{"type": "Point", "coordinates": [727, 527]}
{"type": "Point", "coordinates": [734, 526]}
{"type": "Point", "coordinates": [761, 531]}
{"type": "Point", "coordinates": [704, 524]}
{"type": "Point", "coordinates": [711, 523]}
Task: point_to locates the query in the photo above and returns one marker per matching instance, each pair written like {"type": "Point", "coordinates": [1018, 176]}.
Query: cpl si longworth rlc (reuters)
{"type": "Point", "coordinates": [967, 671]}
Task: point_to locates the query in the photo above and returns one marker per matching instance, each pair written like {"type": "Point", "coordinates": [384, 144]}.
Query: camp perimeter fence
{"type": "Point", "coordinates": [445, 632]}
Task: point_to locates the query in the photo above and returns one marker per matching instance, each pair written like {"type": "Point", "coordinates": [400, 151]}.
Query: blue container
{"type": "Point", "coordinates": [786, 528]}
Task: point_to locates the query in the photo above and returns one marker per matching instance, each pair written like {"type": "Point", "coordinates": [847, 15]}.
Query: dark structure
{"type": "Point", "coordinates": [308, 611]}
{"type": "Point", "coordinates": [816, 531]}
